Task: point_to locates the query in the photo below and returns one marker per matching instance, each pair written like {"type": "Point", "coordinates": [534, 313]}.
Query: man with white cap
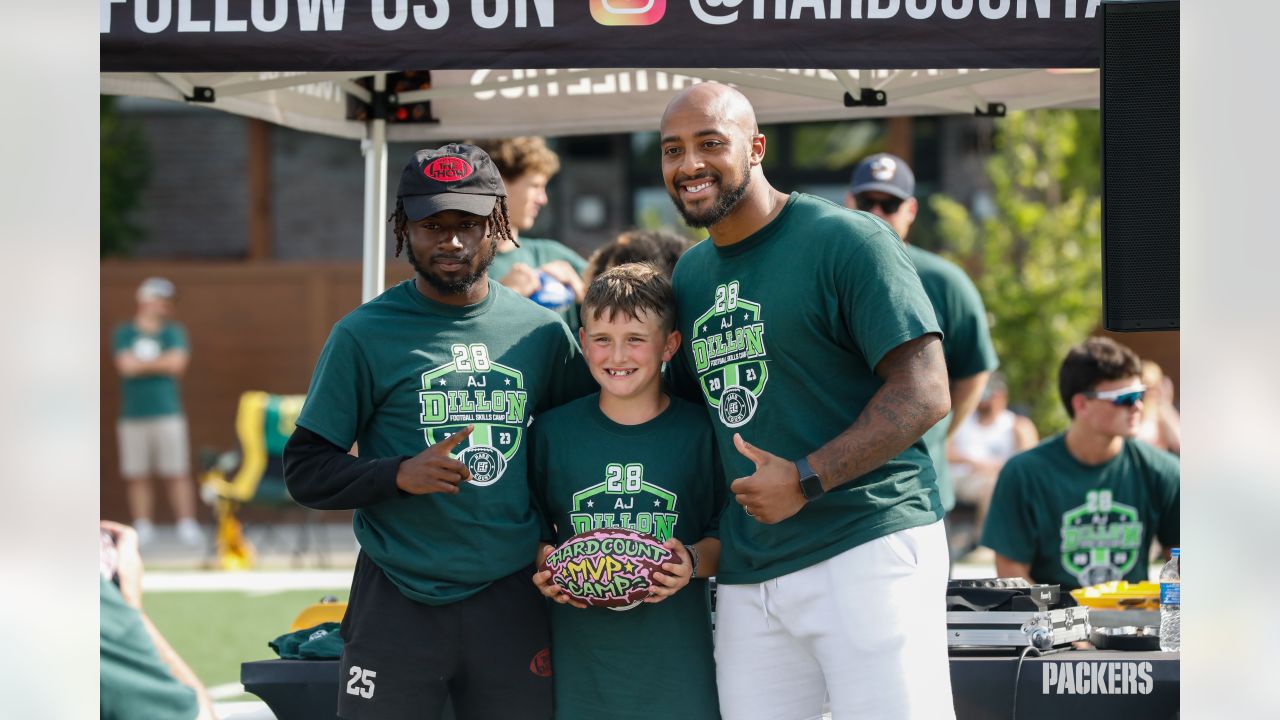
{"type": "Point", "coordinates": [151, 354]}
{"type": "Point", "coordinates": [884, 186]}
{"type": "Point", "coordinates": [436, 380]}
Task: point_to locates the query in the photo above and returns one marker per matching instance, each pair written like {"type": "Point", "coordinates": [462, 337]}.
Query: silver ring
{"type": "Point", "coordinates": [748, 512]}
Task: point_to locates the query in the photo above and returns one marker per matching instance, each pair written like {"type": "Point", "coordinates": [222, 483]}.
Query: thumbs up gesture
{"type": "Point", "coordinates": [433, 470]}
{"type": "Point", "coordinates": [772, 493]}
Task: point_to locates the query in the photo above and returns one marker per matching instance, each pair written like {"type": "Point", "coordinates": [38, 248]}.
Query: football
{"type": "Point", "coordinates": [609, 567]}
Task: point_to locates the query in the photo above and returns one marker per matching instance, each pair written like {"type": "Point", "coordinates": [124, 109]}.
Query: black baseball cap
{"type": "Point", "coordinates": [884, 173]}
{"type": "Point", "coordinates": [453, 177]}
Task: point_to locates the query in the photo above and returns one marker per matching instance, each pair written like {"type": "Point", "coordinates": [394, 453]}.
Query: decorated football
{"type": "Point", "coordinates": [609, 567]}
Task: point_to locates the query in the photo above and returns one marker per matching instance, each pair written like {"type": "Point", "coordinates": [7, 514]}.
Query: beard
{"type": "Point", "coordinates": [724, 204]}
{"type": "Point", "coordinates": [459, 285]}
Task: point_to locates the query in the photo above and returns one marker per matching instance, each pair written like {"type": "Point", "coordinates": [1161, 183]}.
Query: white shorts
{"type": "Point", "coordinates": [865, 630]}
{"type": "Point", "coordinates": [153, 446]}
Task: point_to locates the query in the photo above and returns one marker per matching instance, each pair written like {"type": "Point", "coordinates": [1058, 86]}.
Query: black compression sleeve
{"type": "Point", "coordinates": [322, 475]}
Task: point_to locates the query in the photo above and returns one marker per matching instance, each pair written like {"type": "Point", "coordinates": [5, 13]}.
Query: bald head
{"type": "Point", "coordinates": [717, 103]}
{"type": "Point", "coordinates": [711, 155]}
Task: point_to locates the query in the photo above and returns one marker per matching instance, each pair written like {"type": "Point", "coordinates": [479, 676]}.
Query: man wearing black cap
{"type": "Point", "coordinates": [435, 381]}
{"type": "Point", "coordinates": [885, 186]}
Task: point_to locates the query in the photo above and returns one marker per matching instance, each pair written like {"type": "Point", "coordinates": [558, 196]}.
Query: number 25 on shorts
{"type": "Point", "coordinates": [628, 12]}
{"type": "Point", "coordinates": [361, 682]}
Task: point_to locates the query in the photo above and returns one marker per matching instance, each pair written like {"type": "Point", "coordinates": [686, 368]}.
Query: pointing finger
{"type": "Point", "coordinates": [448, 444]}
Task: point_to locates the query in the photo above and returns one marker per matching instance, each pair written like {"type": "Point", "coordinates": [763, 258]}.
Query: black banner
{"type": "Point", "coordinates": [346, 35]}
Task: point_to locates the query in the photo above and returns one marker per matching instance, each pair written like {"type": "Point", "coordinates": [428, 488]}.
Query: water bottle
{"type": "Point", "coordinates": [1171, 603]}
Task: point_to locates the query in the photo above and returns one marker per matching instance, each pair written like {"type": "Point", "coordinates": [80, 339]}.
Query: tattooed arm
{"type": "Point", "coordinates": [913, 399]}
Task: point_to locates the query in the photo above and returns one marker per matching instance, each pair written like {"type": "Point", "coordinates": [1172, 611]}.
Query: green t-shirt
{"type": "Point", "coordinates": [660, 477]}
{"type": "Point", "coordinates": [133, 682]}
{"type": "Point", "coordinates": [535, 253]}
{"type": "Point", "coordinates": [402, 372]}
{"type": "Point", "coordinates": [145, 396]}
{"type": "Point", "coordinates": [967, 346]}
{"type": "Point", "coordinates": [1079, 525]}
{"type": "Point", "coordinates": [782, 332]}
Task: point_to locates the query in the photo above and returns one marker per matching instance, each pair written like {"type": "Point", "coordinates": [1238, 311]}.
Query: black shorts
{"type": "Point", "coordinates": [403, 659]}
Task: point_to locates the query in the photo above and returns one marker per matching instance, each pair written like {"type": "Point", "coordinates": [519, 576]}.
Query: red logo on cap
{"type": "Point", "coordinates": [448, 169]}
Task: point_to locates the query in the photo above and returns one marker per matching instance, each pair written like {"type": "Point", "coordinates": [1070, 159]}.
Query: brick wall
{"type": "Point", "coordinates": [195, 204]}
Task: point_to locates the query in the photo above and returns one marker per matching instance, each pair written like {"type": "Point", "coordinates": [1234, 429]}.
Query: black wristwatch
{"type": "Point", "coordinates": [810, 483]}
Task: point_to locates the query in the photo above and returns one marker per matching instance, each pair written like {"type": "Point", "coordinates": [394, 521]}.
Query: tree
{"type": "Point", "coordinates": [124, 168]}
{"type": "Point", "coordinates": [1037, 259]}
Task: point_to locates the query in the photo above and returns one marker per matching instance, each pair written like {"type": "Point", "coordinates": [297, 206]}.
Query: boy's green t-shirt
{"type": "Point", "coordinates": [536, 252]}
{"type": "Point", "coordinates": [147, 396]}
{"type": "Point", "coordinates": [660, 477]}
{"type": "Point", "coordinates": [967, 347]}
{"type": "Point", "coordinates": [1079, 525]}
{"type": "Point", "coordinates": [402, 372]}
{"type": "Point", "coordinates": [782, 333]}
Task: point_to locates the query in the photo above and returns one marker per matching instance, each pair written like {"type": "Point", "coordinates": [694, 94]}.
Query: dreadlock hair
{"type": "Point", "coordinates": [499, 223]}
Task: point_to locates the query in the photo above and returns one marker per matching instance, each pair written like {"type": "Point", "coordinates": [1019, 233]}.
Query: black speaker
{"type": "Point", "coordinates": [1139, 97]}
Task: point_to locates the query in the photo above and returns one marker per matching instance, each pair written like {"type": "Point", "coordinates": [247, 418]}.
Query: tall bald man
{"type": "Point", "coordinates": [884, 186]}
{"type": "Point", "coordinates": [818, 356]}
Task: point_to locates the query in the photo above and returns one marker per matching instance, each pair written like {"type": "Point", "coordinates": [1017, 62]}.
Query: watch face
{"type": "Point", "coordinates": [811, 487]}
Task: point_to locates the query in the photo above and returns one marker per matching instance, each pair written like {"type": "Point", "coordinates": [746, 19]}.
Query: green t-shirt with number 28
{"type": "Point", "coordinates": [402, 372]}
{"type": "Point", "coordinates": [659, 477]}
{"type": "Point", "coordinates": [782, 333]}
{"type": "Point", "coordinates": [1078, 525]}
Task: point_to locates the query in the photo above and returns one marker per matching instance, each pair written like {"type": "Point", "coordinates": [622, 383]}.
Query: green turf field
{"type": "Point", "coordinates": [216, 631]}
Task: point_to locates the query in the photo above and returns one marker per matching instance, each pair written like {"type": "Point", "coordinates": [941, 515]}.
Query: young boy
{"type": "Point", "coordinates": [632, 456]}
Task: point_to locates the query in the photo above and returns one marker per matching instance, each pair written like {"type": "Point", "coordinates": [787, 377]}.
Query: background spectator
{"type": "Point", "coordinates": [1161, 424]}
{"type": "Point", "coordinates": [885, 186]}
{"type": "Point", "coordinates": [1084, 506]}
{"type": "Point", "coordinates": [141, 675]}
{"type": "Point", "coordinates": [151, 354]}
{"type": "Point", "coordinates": [982, 443]}
{"type": "Point", "coordinates": [543, 270]}
{"type": "Point", "coordinates": [660, 248]}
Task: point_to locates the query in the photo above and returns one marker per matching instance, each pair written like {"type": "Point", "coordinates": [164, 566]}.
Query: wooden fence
{"type": "Point", "coordinates": [252, 326]}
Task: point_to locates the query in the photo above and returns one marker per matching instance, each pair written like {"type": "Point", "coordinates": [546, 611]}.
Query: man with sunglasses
{"type": "Point", "coordinates": [1083, 507]}
{"type": "Point", "coordinates": [884, 186]}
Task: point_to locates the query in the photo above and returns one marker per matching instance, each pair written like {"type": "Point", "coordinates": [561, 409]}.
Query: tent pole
{"type": "Point", "coordinates": [375, 202]}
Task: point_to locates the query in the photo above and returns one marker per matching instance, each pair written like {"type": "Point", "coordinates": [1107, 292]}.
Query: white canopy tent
{"type": "Point", "coordinates": [497, 103]}
{"type": "Point", "coordinates": [318, 49]}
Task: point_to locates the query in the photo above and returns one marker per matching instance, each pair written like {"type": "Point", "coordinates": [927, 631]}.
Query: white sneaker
{"type": "Point", "coordinates": [146, 531]}
{"type": "Point", "coordinates": [189, 532]}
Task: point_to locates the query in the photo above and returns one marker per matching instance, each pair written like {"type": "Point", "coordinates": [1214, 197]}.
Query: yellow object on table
{"type": "Point", "coordinates": [321, 612]}
{"type": "Point", "coordinates": [1119, 595]}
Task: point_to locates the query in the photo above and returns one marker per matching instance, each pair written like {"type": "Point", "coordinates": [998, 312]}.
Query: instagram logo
{"type": "Point", "coordinates": [628, 12]}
